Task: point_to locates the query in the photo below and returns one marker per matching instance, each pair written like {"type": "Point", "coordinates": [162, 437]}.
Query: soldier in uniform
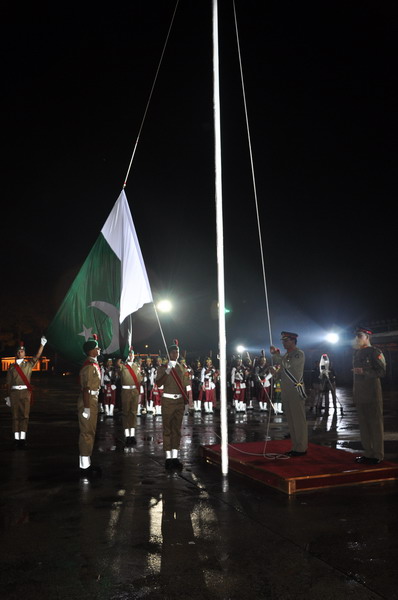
{"type": "Point", "coordinates": [148, 384]}
{"type": "Point", "coordinates": [19, 391]}
{"type": "Point", "coordinates": [293, 392]}
{"type": "Point", "coordinates": [262, 378]}
{"type": "Point", "coordinates": [173, 379]}
{"type": "Point", "coordinates": [87, 406]}
{"type": "Point", "coordinates": [156, 391]}
{"type": "Point", "coordinates": [327, 378]}
{"type": "Point", "coordinates": [196, 385]}
{"type": "Point", "coordinates": [369, 365]}
{"type": "Point", "coordinates": [131, 378]}
{"type": "Point", "coordinates": [188, 379]}
{"type": "Point", "coordinates": [109, 387]}
{"type": "Point", "coordinates": [208, 380]}
{"type": "Point", "coordinates": [238, 383]}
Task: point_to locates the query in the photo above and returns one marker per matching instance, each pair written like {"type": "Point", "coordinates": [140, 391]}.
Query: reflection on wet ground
{"type": "Point", "coordinates": [139, 532]}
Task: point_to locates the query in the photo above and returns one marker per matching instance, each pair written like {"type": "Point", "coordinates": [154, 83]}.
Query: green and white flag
{"type": "Point", "coordinates": [111, 285]}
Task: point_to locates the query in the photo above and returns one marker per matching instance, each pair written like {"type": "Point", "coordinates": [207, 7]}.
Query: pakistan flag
{"type": "Point", "coordinates": [111, 285]}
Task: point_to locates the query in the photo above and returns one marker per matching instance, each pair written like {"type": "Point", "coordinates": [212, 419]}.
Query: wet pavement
{"type": "Point", "coordinates": [140, 532]}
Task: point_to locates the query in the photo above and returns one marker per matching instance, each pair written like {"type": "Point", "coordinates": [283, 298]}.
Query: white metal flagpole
{"type": "Point", "coordinates": [220, 247]}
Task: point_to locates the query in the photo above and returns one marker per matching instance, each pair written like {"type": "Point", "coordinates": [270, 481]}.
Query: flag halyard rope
{"type": "Point", "coordinates": [150, 97]}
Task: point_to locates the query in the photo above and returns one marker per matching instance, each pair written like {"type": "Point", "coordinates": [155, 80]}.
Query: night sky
{"type": "Point", "coordinates": [320, 82]}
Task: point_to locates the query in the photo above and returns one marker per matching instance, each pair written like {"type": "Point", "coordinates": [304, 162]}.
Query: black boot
{"type": "Point", "coordinates": [91, 472]}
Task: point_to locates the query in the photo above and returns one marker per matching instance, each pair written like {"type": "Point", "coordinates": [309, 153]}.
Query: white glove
{"type": "Point", "coordinates": [86, 413]}
{"type": "Point", "coordinates": [43, 341]}
{"type": "Point", "coordinates": [113, 387]}
{"type": "Point", "coordinates": [7, 401]}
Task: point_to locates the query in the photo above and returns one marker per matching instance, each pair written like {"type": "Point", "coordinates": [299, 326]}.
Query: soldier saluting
{"type": "Point", "coordinates": [19, 391]}
{"type": "Point", "coordinates": [174, 379]}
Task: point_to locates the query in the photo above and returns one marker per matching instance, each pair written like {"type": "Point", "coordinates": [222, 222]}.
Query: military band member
{"type": "Point", "coordinates": [249, 382]}
{"type": "Point", "coordinates": [188, 378]}
{"type": "Point", "coordinates": [238, 384]}
{"type": "Point", "coordinates": [156, 391]}
{"type": "Point", "coordinates": [19, 391]}
{"type": "Point", "coordinates": [369, 365]}
{"type": "Point", "coordinates": [196, 385]}
{"type": "Point", "coordinates": [87, 406]}
{"type": "Point", "coordinates": [131, 379]}
{"type": "Point", "coordinates": [142, 407]}
{"type": "Point", "coordinates": [293, 392]}
{"type": "Point", "coordinates": [208, 379]}
{"type": "Point", "coordinates": [148, 384]}
{"type": "Point", "coordinates": [327, 380]}
{"type": "Point", "coordinates": [262, 378]}
{"type": "Point", "coordinates": [109, 387]}
{"type": "Point", "coordinates": [173, 379]}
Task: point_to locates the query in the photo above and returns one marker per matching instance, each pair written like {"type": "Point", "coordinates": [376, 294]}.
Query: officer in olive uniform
{"type": "Point", "coordinates": [293, 392]}
{"type": "Point", "coordinates": [19, 391]}
{"type": "Point", "coordinates": [131, 378]}
{"type": "Point", "coordinates": [174, 379]}
{"type": "Point", "coordinates": [87, 406]}
{"type": "Point", "coordinates": [369, 365]}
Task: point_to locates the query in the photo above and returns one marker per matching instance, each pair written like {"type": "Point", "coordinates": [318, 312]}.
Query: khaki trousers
{"type": "Point", "coordinates": [129, 408]}
{"type": "Point", "coordinates": [294, 407]}
{"type": "Point", "coordinates": [371, 427]}
{"type": "Point", "coordinates": [20, 410]}
{"type": "Point", "coordinates": [87, 427]}
{"type": "Point", "coordinates": [172, 414]}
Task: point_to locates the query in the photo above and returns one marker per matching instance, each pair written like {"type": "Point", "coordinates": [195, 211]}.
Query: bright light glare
{"type": "Point", "coordinates": [164, 306]}
{"type": "Point", "coordinates": [240, 349]}
{"type": "Point", "coordinates": [333, 338]}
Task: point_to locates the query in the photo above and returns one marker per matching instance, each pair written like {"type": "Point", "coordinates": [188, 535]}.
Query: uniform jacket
{"type": "Point", "coordinates": [372, 361]}
{"type": "Point", "coordinates": [170, 386]}
{"type": "Point", "coordinates": [90, 376]}
{"type": "Point", "coordinates": [26, 366]}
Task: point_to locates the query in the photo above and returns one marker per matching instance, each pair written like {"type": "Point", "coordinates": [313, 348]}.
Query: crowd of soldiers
{"type": "Point", "coordinates": [165, 386]}
{"type": "Point", "coordinates": [247, 380]}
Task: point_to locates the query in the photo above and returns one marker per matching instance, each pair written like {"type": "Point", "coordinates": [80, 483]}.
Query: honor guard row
{"type": "Point", "coordinates": [172, 384]}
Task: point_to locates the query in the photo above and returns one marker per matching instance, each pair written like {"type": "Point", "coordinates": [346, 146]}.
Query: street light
{"type": "Point", "coordinates": [164, 306]}
{"type": "Point", "coordinates": [240, 349]}
{"type": "Point", "coordinates": [333, 338]}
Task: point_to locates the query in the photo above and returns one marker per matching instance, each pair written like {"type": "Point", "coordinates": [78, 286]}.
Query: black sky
{"type": "Point", "coordinates": [320, 80]}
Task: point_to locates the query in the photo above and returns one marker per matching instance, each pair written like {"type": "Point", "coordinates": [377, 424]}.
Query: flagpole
{"type": "Point", "coordinates": [220, 246]}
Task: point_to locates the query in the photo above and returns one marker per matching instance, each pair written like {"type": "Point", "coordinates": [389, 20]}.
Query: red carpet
{"type": "Point", "coordinates": [321, 467]}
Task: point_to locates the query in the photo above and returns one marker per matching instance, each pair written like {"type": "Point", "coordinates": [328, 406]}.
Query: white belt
{"type": "Point", "coordinates": [93, 393]}
{"type": "Point", "coordinates": [128, 387]}
{"type": "Point", "coordinates": [19, 387]}
{"type": "Point", "coordinates": [175, 396]}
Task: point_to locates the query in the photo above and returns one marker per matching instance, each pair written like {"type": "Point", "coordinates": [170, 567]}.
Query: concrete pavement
{"type": "Point", "coordinates": [140, 532]}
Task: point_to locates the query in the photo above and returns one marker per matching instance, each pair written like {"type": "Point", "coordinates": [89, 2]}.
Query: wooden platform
{"type": "Point", "coordinates": [321, 467]}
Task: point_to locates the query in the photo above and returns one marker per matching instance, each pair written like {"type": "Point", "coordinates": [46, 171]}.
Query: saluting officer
{"type": "Point", "coordinates": [174, 380]}
{"type": "Point", "coordinates": [19, 391]}
{"type": "Point", "coordinates": [369, 365]}
{"type": "Point", "coordinates": [293, 392]}
{"type": "Point", "coordinates": [87, 406]}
